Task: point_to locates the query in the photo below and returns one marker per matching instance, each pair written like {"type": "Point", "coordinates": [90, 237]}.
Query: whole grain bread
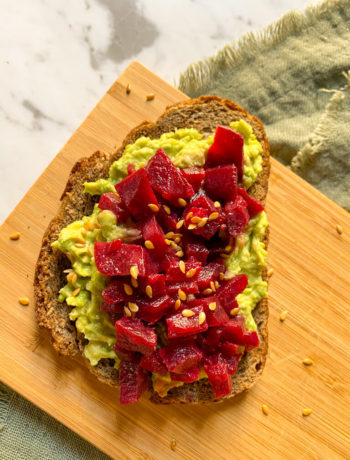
{"type": "Point", "coordinates": [203, 114]}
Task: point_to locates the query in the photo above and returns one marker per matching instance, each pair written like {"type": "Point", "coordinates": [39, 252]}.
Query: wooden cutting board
{"type": "Point", "coordinates": [311, 263]}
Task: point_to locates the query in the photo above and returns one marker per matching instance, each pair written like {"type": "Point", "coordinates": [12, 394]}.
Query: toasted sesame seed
{"type": "Point", "coordinates": [96, 225]}
{"type": "Point", "coordinates": [179, 254]}
{"type": "Point", "coordinates": [234, 311]}
{"type": "Point", "coordinates": [168, 242]}
{"type": "Point", "coordinates": [68, 270]}
{"type": "Point", "coordinates": [175, 246]}
{"type": "Point", "coordinates": [307, 412]}
{"type": "Point", "coordinates": [153, 207]}
{"type": "Point", "coordinates": [196, 219]}
{"type": "Point", "coordinates": [270, 272]}
{"type": "Point", "coordinates": [80, 245]}
{"type": "Point", "coordinates": [80, 240]}
{"type": "Point", "coordinates": [69, 277]}
{"type": "Point", "coordinates": [15, 236]}
{"type": "Point", "coordinates": [203, 221]}
{"type": "Point", "coordinates": [224, 256]}
{"type": "Point", "coordinates": [177, 239]}
{"type": "Point", "coordinates": [127, 311]}
{"type": "Point", "coordinates": [150, 97]}
{"type": "Point", "coordinates": [213, 216]}
{"type": "Point", "coordinates": [308, 361]}
{"type": "Point", "coordinates": [177, 304]}
{"type": "Point", "coordinates": [170, 235]}
{"type": "Point", "coordinates": [339, 229]}
{"type": "Point", "coordinates": [228, 248]}
{"type": "Point", "coordinates": [222, 276]}
{"type": "Point", "coordinates": [167, 209]}
{"type": "Point", "coordinates": [76, 292]}
{"type": "Point", "coordinates": [74, 278]}
{"type": "Point", "coordinates": [149, 244]}
{"type": "Point", "coordinates": [216, 283]}
{"type": "Point", "coordinates": [182, 202]}
{"type": "Point", "coordinates": [133, 307]}
{"type": "Point", "coordinates": [187, 313]}
{"type": "Point", "coordinates": [212, 306]}
{"type": "Point", "coordinates": [201, 317]}
{"type": "Point", "coordinates": [87, 225]}
{"type": "Point", "coordinates": [128, 88]}
{"type": "Point", "coordinates": [283, 315]}
{"type": "Point", "coordinates": [149, 291]}
{"type": "Point", "coordinates": [217, 204]}
{"type": "Point", "coordinates": [23, 301]}
{"type": "Point", "coordinates": [191, 273]}
{"type": "Point", "coordinates": [265, 409]}
{"type": "Point", "coordinates": [69, 256]}
{"type": "Point", "coordinates": [189, 215]}
{"type": "Point", "coordinates": [173, 444]}
{"type": "Point", "coordinates": [134, 283]}
{"type": "Point", "coordinates": [91, 252]}
{"type": "Point", "coordinates": [84, 231]}
{"type": "Point", "coordinates": [134, 272]}
{"type": "Point", "coordinates": [182, 294]}
{"type": "Point", "coordinates": [207, 291]}
{"type": "Point", "coordinates": [128, 289]}
{"type": "Point", "coordinates": [191, 227]}
{"type": "Point", "coordinates": [182, 266]}
{"type": "Point", "coordinates": [212, 286]}
{"type": "Point", "coordinates": [180, 224]}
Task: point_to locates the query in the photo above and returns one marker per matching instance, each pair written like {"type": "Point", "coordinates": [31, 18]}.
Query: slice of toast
{"type": "Point", "coordinates": [203, 114]}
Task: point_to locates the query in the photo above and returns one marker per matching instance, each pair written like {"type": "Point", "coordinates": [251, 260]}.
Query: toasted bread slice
{"type": "Point", "coordinates": [203, 114]}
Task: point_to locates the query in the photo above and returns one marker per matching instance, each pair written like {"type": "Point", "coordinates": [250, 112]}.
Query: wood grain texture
{"type": "Point", "coordinates": [311, 264]}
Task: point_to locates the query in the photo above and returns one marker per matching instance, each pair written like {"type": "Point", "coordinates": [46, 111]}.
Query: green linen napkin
{"type": "Point", "coordinates": [293, 76]}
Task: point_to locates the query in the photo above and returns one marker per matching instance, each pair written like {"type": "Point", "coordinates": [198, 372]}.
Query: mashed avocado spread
{"type": "Point", "coordinates": [185, 147]}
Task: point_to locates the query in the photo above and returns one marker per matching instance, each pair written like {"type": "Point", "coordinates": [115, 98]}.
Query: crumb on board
{"type": "Point", "coordinates": [308, 362]}
{"type": "Point", "coordinates": [150, 97]}
{"type": "Point", "coordinates": [339, 229]}
{"type": "Point", "coordinates": [265, 409]}
{"type": "Point", "coordinates": [23, 301]}
{"type": "Point", "coordinates": [283, 315]}
{"type": "Point", "coordinates": [173, 444]}
{"type": "Point", "coordinates": [306, 412]}
{"type": "Point", "coordinates": [15, 236]}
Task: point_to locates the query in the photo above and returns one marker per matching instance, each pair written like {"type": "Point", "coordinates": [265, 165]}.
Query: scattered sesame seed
{"type": "Point", "coordinates": [339, 229]}
{"type": "Point", "coordinates": [128, 289]}
{"type": "Point", "coordinates": [228, 248]}
{"type": "Point", "coordinates": [179, 254]}
{"type": "Point", "coordinates": [217, 204]}
{"type": "Point", "coordinates": [203, 221]}
{"type": "Point", "coordinates": [84, 231]}
{"type": "Point", "coordinates": [179, 224]}
{"type": "Point", "coordinates": [265, 409]}
{"type": "Point", "coordinates": [167, 209]}
{"type": "Point", "coordinates": [196, 219]}
{"type": "Point", "coordinates": [150, 97]}
{"type": "Point", "coordinates": [80, 245]}
{"type": "Point", "coordinates": [80, 240]}
{"type": "Point", "coordinates": [191, 227]}
{"type": "Point", "coordinates": [212, 306]}
{"type": "Point", "coordinates": [177, 239]}
{"type": "Point", "coordinates": [216, 283]}
{"type": "Point", "coordinates": [191, 273]}
{"type": "Point", "coordinates": [182, 266]}
{"type": "Point", "coordinates": [182, 202]}
{"type": "Point", "coordinates": [91, 252]}
{"type": "Point", "coordinates": [222, 276]}
{"type": "Point", "coordinates": [182, 294]}
{"type": "Point", "coordinates": [283, 315]}
{"type": "Point", "coordinates": [201, 317]}
{"type": "Point", "coordinates": [68, 270]}
{"type": "Point", "coordinates": [133, 307]}
{"type": "Point", "coordinates": [170, 235]}
{"type": "Point", "coordinates": [69, 256]}
{"type": "Point", "coordinates": [307, 412]}
{"type": "Point", "coordinates": [173, 444]}
{"type": "Point", "coordinates": [23, 301]}
{"type": "Point", "coordinates": [234, 311]}
{"type": "Point", "coordinates": [127, 311]}
{"type": "Point", "coordinates": [213, 216]}
{"type": "Point", "coordinates": [134, 272]}
{"type": "Point", "coordinates": [207, 291]}
{"type": "Point", "coordinates": [75, 292]}
{"type": "Point", "coordinates": [168, 242]}
{"type": "Point", "coordinates": [15, 236]}
{"type": "Point", "coordinates": [308, 361]}
{"type": "Point", "coordinates": [270, 272]}
{"type": "Point", "coordinates": [189, 215]}
{"type": "Point", "coordinates": [187, 313]}
{"type": "Point", "coordinates": [177, 304]}
{"type": "Point", "coordinates": [128, 88]}
{"type": "Point", "coordinates": [149, 244]}
{"type": "Point", "coordinates": [153, 207]}
{"type": "Point", "coordinates": [74, 278]}
{"type": "Point", "coordinates": [224, 256]}
{"type": "Point", "coordinates": [149, 291]}
{"type": "Point", "coordinates": [175, 246]}
{"type": "Point", "coordinates": [134, 283]}
{"type": "Point", "coordinates": [69, 276]}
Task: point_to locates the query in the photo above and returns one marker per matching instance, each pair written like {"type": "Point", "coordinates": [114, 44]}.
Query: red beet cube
{"type": "Point", "coordinates": [254, 205]}
{"type": "Point", "coordinates": [114, 292]}
{"type": "Point", "coordinates": [180, 356]}
{"type": "Point", "coordinates": [209, 341]}
{"type": "Point", "coordinates": [112, 307]}
{"type": "Point", "coordinates": [189, 376]}
{"type": "Point", "coordinates": [167, 221]}
{"type": "Point", "coordinates": [152, 231]}
{"type": "Point", "coordinates": [230, 349]}
{"type": "Point", "coordinates": [197, 250]}
{"type": "Point", "coordinates": [130, 169]}
{"type": "Point", "coordinates": [209, 273]}
{"type": "Point", "coordinates": [133, 381]}
{"type": "Point", "coordinates": [189, 287]}
{"type": "Point", "coordinates": [194, 176]}
{"type": "Point", "coordinates": [133, 335]}
{"type": "Point", "coordinates": [112, 202]}
{"type": "Point", "coordinates": [127, 355]}
{"type": "Point", "coordinates": [221, 182]}
{"type": "Point", "coordinates": [167, 180]}
{"type": "Point", "coordinates": [157, 283]}
{"type": "Point", "coordinates": [237, 216]}
{"type": "Point", "coordinates": [137, 194]}
{"type": "Point", "coordinates": [175, 274]}
{"type": "Point", "coordinates": [227, 148]}
{"type": "Point", "coordinates": [251, 340]}
{"type": "Point", "coordinates": [154, 363]}
{"type": "Point", "coordinates": [230, 289]}
{"type": "Point", "coordinates": [214, 317]}
{"type": "Point", "coordinates": [233, 331]}
{"type": "Point", "coordinates": [152, 310]}
{"type": "Point", "coordinates": [220, 379]}
{"type": "Point", "coordinates": [182, 326]}
{"type": "Point", "coordinates": [232, 363]}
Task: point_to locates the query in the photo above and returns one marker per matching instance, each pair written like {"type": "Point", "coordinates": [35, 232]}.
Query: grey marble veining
{"type": "Point", "coordinates": [58, 57]}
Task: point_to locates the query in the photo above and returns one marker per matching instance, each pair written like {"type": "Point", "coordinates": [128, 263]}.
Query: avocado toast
{"type": "Point", "coordinates": [204, 115]}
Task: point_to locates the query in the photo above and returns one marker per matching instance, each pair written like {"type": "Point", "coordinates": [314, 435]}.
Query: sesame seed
{"type": "Point", "coordinates": [127, 311]}
{"type": "Point", "coordinates": [203, 221]}
{"type": "Point", "coordinates": [265, 409]}
{"type": "Point", "coordinates": [134, 283]}
{"type": "Point", "coordinates": [168, 242]}
{"type": "Point", "coordinates": [213, 216]}
{"type": "Point", "coordinates": [212, 286]}
{"type": "Point", "coordinates": [69, 277]}
{"type": "Point", "coordinates": [133, 307]}
{"type": "Point", "coordinates": [212, 306]}
{"type": "Point", "coordinates": [217, 204]}
{"type": "Point", "coordinates": [191, 273]}
{"type": "Point", "coordinates": [177, 239]}
{"type": "Point", "coordinates": [149, 291]}
{"type": "Point", "coordinates": [189, 215]}
{"type": "Point", "coordinates": [180, 224]}
{"type": "Point", "coordinates": [187, 313]}
{"type": "Point", "coordinates": [128, 289]}
{"type": "Point", "coordinates": [283, 315]}
{"type": "Point", "coordinates": [182, 294]}
{"type": "Point", "coordinates": [182, 202]}
{"type": "Point", "coordinates": [149, 244]}
{"type": "Point", "coordinates": [228, 248]}
{"type": "Point", "coordinates": [170, 235]}
{"type": "Point", "coordinates": [150, 97]}
{"type": "Point", "coordinates": [80, 245]}
{"type": "Point", "coordinates": [201, 317]}
{"type": "Point", "coordinates": [191, 227]}
{"type": "Point", "coordinates": [23, 301]}
{"type": "Point", "coordinates": [134, 272]}
{"type": "Point", "coordinates": [153, 207]}
{"type": "Point", "coordinates": [128, 88]}
{"type": "Point", "coordinates": [74, 278]}
{"type": "Point", "coordinates": [207, 291]}
{"type": "Point", "coordinates": [173, 444]}
{"type": "Point", "coordinates": [75, 292]}
{"type": "Point", "coordinates": [234, 311]}
{"type": "Point", "coordinates": [224, 256]}
{"type": "Point", "coordinates": [270, 272]}
{"type": "Point", "coordinates": [179, 254]}
{"type": "Point", "coordinates": [68, 270]}
{"type": "Point", "coordinates": [167, 209]}
{"type": "Point", "coordinates": [222, 276]}
{"type": "Point", "coordinates": [175, 246]}
{"type": "Point", "coordinates": [80, 240]}
{"type": "Point", "coordinates": [91, 252]}
{"type": "Point", "coordinates": [196, 219]}
{"type": "Point", "coordinates": [216, 283]}
{"type": "Point", "coordinates": [15, 236]}
{"type": "Point", "coordinates": [69, 256]}
{"type": "Point", "coordinates": [307, 412]}
{"type": "Point", "coordinates": [84, 231]}
{"type": "Point", "coordinates": [177, 304]}
{"type": "Point", "coordinates": [308, 361]}
{"type": "Point", "coordinates": [182, 266]}
{"type": "Point", "coordinates": [339, 229]}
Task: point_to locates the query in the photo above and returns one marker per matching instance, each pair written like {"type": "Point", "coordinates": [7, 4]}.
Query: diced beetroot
{"type": "Point", "coordinates": [237, 216]}
{"type": "Point", "coordinates": [194, 176]}
{"type": "Point", "coordinates": [116, 258]}
{"type": "Point", "coordinates": [153, 310]}
{"type": "Point", "coordinates": [230, 349]}
{"type": "Point", "coordinates": [197, 250]}
{"type": "Point", "coordinates": [214, 317]}
{"type": "Point", "coordinates": [152, 231]}
{"type": "Point", "coordinates": [180, 356]}
{"type": "Point", "coordinates": [133, 335]}
{"type": "Point", "coordinates": [182, 326]}
{"type": "Point", "coordinates": [157, 283]}
{"type": "Point", "coordinates": [113, 316]}
{"type": "Point", "coordinates": [189, 287]}
{"type": "Point", "coordinates": [167, 221]}
{"type": "Point", "coordinates": [154, 363]}
{"type": "Point", "coordinates": [221, 182]}
{"type": "Point", "coordinates": [174, 273]}
{"type": "Point", "coordinates": [170, 259]}
{"type": "Point", "coordinates": [112, 307]}
{"type": "Point", "coordinates": [209, 341]}
{"type": "Point", "coordinates": [209, 273]}
{"type": "Point", "coordinates": [251, 340]}
{"type": "Point", "coordinates": [115, 292]}
{"type": "Point", "coordinates": [233, 330]}
{"type": "Point", "coordinates": [127, 355]}
{"type": "Point", "coordinates": [232, 363]}
{"type": "Point", "coordinates": [220, 379]}
{"type": "Point", "coordinates": [230, 289]}
{"type": "Point", "coordinates": [167, 180]}
{"type": "Point", "coordinates": [189, 376]}
{"type": "Point", "coordinates": [133, 381]}
{"type": "Point", "coordinates": [112, 202]}
{"type": "Point", "coordinates": [227, 148]}
{"type": "Point", "coordinates": [130, 169]}
{"type": "Point", "coordinates": [254, 205]}
{"type": "Point", "coordinates": [137, 194]}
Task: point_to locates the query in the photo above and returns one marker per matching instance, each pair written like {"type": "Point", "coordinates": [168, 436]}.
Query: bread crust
{"type": "Point", "coordinates": [204, 114]}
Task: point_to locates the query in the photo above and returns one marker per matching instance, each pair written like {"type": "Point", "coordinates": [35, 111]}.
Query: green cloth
{"type": "Point", "coordinates": [293, 77]}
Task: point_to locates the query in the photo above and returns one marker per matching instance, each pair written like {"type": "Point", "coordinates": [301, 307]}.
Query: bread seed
{"type": "Point", "coordinates": [177, 239]}
{"type": "Point", "coordinates": [182, 266]}
{"type": "Point", "coordinates": [213, 216]}
{"type": "Point", "coordinates": [153, 207]}
{"type": "Point", "coordinates": [166, 209]}
{"type": "Point", "coordinates": [134, 283]}
{"type": "Point", "coordinates": [15, 236]}
{"type": "Point", "coordinates": [149, 244]}
{"type": "Point", "coordinates": [23, 301]}
{"type": "Point", "coordinates": [339, 229]}
{"type": "Point", "coordinates": [217, 204]}
{"type": "Point", "coordinates": [189, 215]}
{"type": "Point", "coordinates": [201, 317]}
{"type": "Point", "coordinates": [283, 315]}
{"type": "Point", "coordinates": [149, 291]}
{"type": "Point", "coordinates": [150, 97]}
{"type": "Point", "coordinates": [180, 224]}
{"type": "Point", "coordinates": [128, 289]}
{"type": "Point", "coordinates": [179, 254]}
{"type": "Point", "coordinates": [187, 313]}
{"type": "Point", "coordinates": [168, 242]}
{"type": "Point", "coordinates": [216, 283]}
{"type": "Point", "coordinates": [177, 304]}
{"type": "Point", "coordinates": [170, 235]}
{"type": "Point", "coordinates": [222, 276]}
{"type": "Point", "coordinates": [207, 291]}
{"type": "Point", "coordinates": [265, 409]}
{"type": "Point", "coordinates": [133, 307]}
{"type": "Point", "coordinates": [212, 306]}
{"type": "Point", "coordinates": [127, 311]}
{"type": "Point", "coordinates": [128, 88]}
{"type": "Point", "coordinates": [308, 361]}
{"type": "Point", "coordinates": [307, 412]}
{"type": "Point", "coordinates": [191, 227]}
{"type": "Point", "coordinates": [182, 294]}
{"type": "Point", "coordinates": [134, 272]}
{"type": "Point", "coordinates": [212, 286]}
{"type": "Point", "coordinates": [182, 202]}
{"type": "Point", "coordinates": [196, 219]}
{"type": "Point", "coordinates": [234, 311]}
{"type": "Point", "coordinates": [203, 221]}
{"type": "Point", "coordinates": [191, 273]}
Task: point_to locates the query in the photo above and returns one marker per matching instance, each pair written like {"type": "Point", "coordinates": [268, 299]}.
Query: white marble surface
{"type": "Point", "coordinates": [58, 57]}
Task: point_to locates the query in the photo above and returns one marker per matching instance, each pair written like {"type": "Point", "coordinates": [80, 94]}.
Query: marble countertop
{"type": "Point", "coordinates": [61, 56]}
